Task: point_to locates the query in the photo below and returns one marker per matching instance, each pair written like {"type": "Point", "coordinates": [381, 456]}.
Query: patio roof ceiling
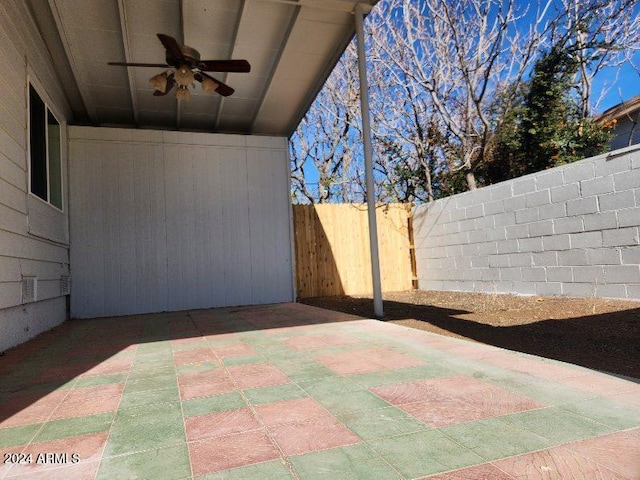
{"type": "Point", "coordinates": [292, 46]}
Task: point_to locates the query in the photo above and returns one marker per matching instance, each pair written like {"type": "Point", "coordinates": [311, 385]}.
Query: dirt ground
{"type": "Point", "coordinates": [601, 334]}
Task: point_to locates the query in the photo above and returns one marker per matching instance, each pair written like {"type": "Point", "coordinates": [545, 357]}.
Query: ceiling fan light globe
{"type": "Point", "coordinates": [209, 85]}
{"type": "Point", "coordinates": [159, 82]}
{"type": "Point", "coordinates": [183, 93]}
{"type": "Point", "coordinates": [184, 75]}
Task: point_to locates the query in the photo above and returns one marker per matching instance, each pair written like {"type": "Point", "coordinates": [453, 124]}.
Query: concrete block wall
{"type": "Point", "coordinates": [572, 230]}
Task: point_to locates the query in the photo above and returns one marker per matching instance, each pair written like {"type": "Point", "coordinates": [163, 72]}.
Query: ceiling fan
{"type": "Point", "coordinates": [185, 66]}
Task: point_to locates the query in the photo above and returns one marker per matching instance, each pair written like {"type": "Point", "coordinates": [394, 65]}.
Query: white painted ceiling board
{"type": "Point", "coordinates": [291, 49]}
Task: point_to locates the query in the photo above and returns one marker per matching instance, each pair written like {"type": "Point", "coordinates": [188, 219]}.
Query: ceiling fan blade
{"type": "Point", "coordinates": [170, 83]}
{"type": "Point", "coordinates": [223, 89]}
{"type": "Point", "coordinates": [171, 45]}
{"type": "Point", "coordinates": [124, 64]}
{"type": "Point", "coordinates": [239, 66]}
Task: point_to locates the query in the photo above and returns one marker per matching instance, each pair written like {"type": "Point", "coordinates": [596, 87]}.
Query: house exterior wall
{"type": "Point", "coordinates": [626, 131]}
{"type": "Point", "coordinates": [33, 234]}
{"type": "Point", "coordinates": [572, 230]}
{"type": "Point", "coordinates": [165, 221]}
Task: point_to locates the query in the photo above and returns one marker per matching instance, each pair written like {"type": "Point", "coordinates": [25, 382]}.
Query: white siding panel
{"type": "Point", "coordinates": [181, 226]}
{"type": "Point", "coordinates": [13, 174]}
{"type": "Point", "coordinates": [215, 219]}
{"type": "Point", "coordinates": [12, 197]}
{"type": "Point", "coordinates": [10, 294]}
{"type": "Point", "coordinates": [23, 54]}
{"type": "Point", "coordinates": [236, 240]}
{"type": "Point", "coordinates": [12, 220]}
{"type": "Point", "coordinates": [159, 283]}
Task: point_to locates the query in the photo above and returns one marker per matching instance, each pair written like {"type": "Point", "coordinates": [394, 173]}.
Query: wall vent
{"type": "Point", "coordinates": [29, 289]}
{"type": "Point", "coordinates": [65, 285]}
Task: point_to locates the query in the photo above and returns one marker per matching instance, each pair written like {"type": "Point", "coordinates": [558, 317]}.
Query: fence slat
{"type": "Point", "coordinates": [332, 249]}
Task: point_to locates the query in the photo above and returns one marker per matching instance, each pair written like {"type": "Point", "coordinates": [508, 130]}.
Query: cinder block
{"type": "Point", "coordinates": [530, 244]}
{"type": "Point", "coordinates": [565, 192]}
{"type": "Point", "coordinates": [611, 291]}
{"type": "Point", "coordinates": [548, 289]}
{"type": "Point", "coordinates": [517, 231]}
{"type": "Point", "coordinates": [545, 259]}
{"type": "Point", "coordinates": [579, 171]}
{"type": "Point", "coordinates": [470, 249]}
{"type": "Point", "coordinates": [572, 257]}
{"type": "Point", "coordinates": [633, 292]}
{"type": "Point", "coordinates": [489, 274]}
{"type": "Point", "coordinates": [534, 274]}
{"type": "Point", "coordinates": [596, 186]}
{"type": "Point", "coordinates": [527, 215]}
{"type": "Point", "coordinates": [515, 203]}
{"type": "Point", "coordinates": [501, 191]}
{"type": "Point", "coordinates": [473, 273]}
{"type": "Point", "coordinates": [622, 273]}
{"type": "Point", "coordinates": [616, 201]}
{"type": "Point", "coordinates": [556, 242]}
{"type": "Point", "coordinates": [578, 289]}
{"type": "Point", "coordinates": [504, 219]}
{"type": "Point", "coordinates": [492, 208]}
{"type": "Point", "coordinates": [586, 240]}
{"type": "Point", "coordinates": [538, 229]}
{"type": "Point", "coordinates": [480, 262]}
{"type": "Point", "coordinates": [451, 227]}
{"type": "Point", "coordinates": [548, 180]}
{"type": "Point", "coordinates": [520, 260]}
{"type": "Point", "coordinates": [508, 246]}
{"type": "Point", "coordinates": [524, 288]}
{"type": "Point", "coordinates": [457, 214]}
{"type": "Point", "coordinates": [607, 166]}
{"type": "Point", "coordinates": [629, 217]}
{"type": "Point", "coordinates": [498, 261]}
{"type": "Point", "coordinates": [587, 274]}
{"type": "Point", "coordinates": [535, 199]}
{"type": "Point", "coordinates": [497, 233]}
{"type": "Point", "coordinates": [582, 206]}
{"type": "Point", "coordinates": [626, 180]}
{"type": "Point", "coordinates": [488, 248]}
{"type": "Point", "coordinates": [559, 274]}
{"type": "Point", "coordinates": [620, 237]}
{"type": "Point", "coordinates": [600, 221]}
{"type": "Point", "coordinates": [635, 159]}
{"type": "Point", "coordinates": [477, 236]}
{"type": "Point", "coordinates": [604, 256]}
{"type": "Point", "coordinates": [467, 225]}
{"type": "Point", "coordinates": [462, 262]}
{"type": "Point", "coordinates": [553, 210]}
{"type": "Point", "coordinates": [524, 185]}
{"type": "Point", "coordinates": [568, 225]}
{"type": "Point", "coordinates": [465, 199]}
{"type": "Point", "coordinates": [631, 255]}
{"type": "Point", "coordinates": [511, 274]}
{"type": "Point", "coordinates": [453, 250]}
{"type": "Point", "coordinates": [485, 222]}
{"type": "Point", "coordinates": [474, 211]}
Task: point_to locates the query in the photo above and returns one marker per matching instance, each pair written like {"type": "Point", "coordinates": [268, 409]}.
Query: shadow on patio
{"type": "Point", "coordinates": [293, 391]}
{"type": "Point", "coordinates": [608, 342]}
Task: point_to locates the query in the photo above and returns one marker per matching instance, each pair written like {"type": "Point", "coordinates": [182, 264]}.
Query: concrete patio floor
{"type": "Point", "coordinates": [291, 391]}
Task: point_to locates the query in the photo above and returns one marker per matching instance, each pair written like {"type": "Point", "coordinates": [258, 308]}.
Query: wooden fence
{"type": "Point", "coordinates": [332, 249]}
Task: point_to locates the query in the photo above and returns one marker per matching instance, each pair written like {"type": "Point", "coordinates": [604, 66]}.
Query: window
{"type": "Point", "coordinates": [44, 148]}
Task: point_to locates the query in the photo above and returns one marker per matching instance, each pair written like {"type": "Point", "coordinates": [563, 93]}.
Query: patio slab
{"type": "Point", "coordinates": [292, 391]}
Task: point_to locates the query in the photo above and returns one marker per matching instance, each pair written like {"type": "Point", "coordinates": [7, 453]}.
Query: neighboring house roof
{"type": "Point", "coordinates": [624, 109]}
{"type": "Point", "coordinates": [625, 120]}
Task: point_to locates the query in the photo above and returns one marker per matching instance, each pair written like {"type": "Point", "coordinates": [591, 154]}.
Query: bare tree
{"type": "Point", "coordinates": [599, 34]}
{"type": "Point", "coordinates": [462, 53]}
{"type": "Point", "coordinates": [325, 141]}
